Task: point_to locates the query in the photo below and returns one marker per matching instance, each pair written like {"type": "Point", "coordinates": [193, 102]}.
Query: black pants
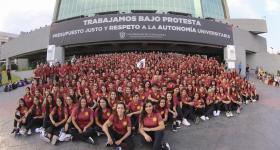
{"type": "Point", "coordinates": [46, 121]}
{"type": "Point", "coordinates": [245, 98]}
{"type": "Point", "coordinates": [188, 112]}
{"type": "Point", "coordinates": [199, 112]}
{"type": "Point", "coordinates": [157, 139]}
{"type": "Point", "coordinates": [134, 122]}
{"type": "Point", "coordinates": [217, 106]}
{"type": "Point", "coordinates": [228, 107]}
{"type": "Point", "coordinates": [209, 110]}
{"type": "Point", "coordinates": [21, 124]}
{"type": "Point", "coordinates": [34, 123]}
{"type": "Point", "coordinates": [180, 113]}
{"type": "Point", "coordinates": [15, 122]}
{"type": "Point", "coordinates": [54, 130]}
{"type": "Point", "coordinates": [234, 106]}
{"type": "Point", "coordinates": [127, 144]}
{"type": "Point", "coordinates": [81, 136]}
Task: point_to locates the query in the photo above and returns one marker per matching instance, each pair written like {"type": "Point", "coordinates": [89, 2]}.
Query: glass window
{"type": "Point", "coordinates": [213, 9]}
{"type": "Point", "coordinates": [198, 8]}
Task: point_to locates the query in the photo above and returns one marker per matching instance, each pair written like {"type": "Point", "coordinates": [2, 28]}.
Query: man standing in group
{"type": "Point", "coordinates": [9, 75]}
{"type": "Point", "coordinates": [247, 71]}
{"type": "Point", "coordinates": [240, 67]}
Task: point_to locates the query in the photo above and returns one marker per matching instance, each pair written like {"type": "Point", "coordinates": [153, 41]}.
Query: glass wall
{"type": "Point", "coordinates": [72, 8]}
{"type": "Point", "coordinates": [213, 9]}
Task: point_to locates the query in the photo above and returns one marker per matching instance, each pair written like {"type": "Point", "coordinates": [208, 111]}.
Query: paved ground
{"type": "Point", "coordinates": [256, 128]}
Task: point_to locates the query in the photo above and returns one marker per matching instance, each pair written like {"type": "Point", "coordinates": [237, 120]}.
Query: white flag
{"type": "Point", "coordinates": [141, 63]}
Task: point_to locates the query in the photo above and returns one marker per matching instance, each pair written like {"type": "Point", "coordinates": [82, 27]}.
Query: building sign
{"type": "Point", "coordinates": [140, 27]}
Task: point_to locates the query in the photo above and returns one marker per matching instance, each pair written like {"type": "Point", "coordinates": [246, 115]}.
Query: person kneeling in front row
{"type": "Point", "coordinates": [83, 119]}
{"type": "Point", "coordinates": [118, 129]}
{"type": "Point", "coordinates": [151, 127]}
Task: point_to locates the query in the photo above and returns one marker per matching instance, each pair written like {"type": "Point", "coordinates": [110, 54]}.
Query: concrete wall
{"type": "Point", "coordinates": [253, 25]}
{"type": "Point", "coordinates": [269, 62]}
{"type": "Point", "coordinates": [26, 43]}
{"type": "Point", "coordinates": [247, 41]}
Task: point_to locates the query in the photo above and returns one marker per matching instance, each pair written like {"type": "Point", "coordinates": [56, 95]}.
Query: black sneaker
{"type": "Point", "coordinates": [174, 128]}
{"type": "Point", "coordinates": [118, 148]}
{"type": "Point", "coordinates": [14, 130]}
{"type": "Point", "coordinates": [165, 146]}
{"type": "Point", "coordinates": [91, 141]}
{"type": "Point", "coordinates": [178, 125]}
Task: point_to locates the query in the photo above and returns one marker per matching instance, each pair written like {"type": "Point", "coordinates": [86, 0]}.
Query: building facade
{"type": "Point", "coordinates": [106, 26]}
{"type": "Point", "coordinates": [198, 8]}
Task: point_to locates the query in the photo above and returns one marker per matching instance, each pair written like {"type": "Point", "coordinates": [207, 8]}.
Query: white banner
{"type": "Point", "coordinates": [141, 63]}
{"type": "Point", "coordinates": [230, 53]}
{"type": "Point", "coordinates": [51, 53]}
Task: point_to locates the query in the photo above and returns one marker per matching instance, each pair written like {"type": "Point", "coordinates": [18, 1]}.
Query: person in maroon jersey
{"type": "Point", "coordinates": [220, 96]}
{"type": "Point", "coordinates": [154, 95]}
{"type": "Point", "coordinates": [163, 108]}
{"type": "Point", "coordinates": [199, 106]}
{"type": "Point", "coordinates": [58, 117]}
{"type": "Point", "coordinates": [228, 104]}
{"type": "Point", "coordinates": [102, 114]}
{"type": "Point", "coordinates": [48, 106]}
{"type": "Point", "coordinates": [35, 116]}
{"type": "Point", "coordinates": [235, 100]}
{"type": "Point", "coordinates": [134, 109]}
{"type": "Point", "coordinates": [210, 104]}
{"type": "Point", "coordinates": [151, 127]}
{"type": "Point", "coordinates": [91, 103]}
{"type": "Point", "coordinates": [20, 116]}
{"type": "Point", "coordinates": [118, 129]}
{"type": "Point", "coordinates": [187, 106]}
{"type": "Point", "coordinates": [83, 119]}
{"type": "Point", "coordinates": [70, 108]}
{"type": "Point", "coordinates": [28, 99]}
{"type": "Point", "coordinates": [113, 99]}
{"type": "Point", "coordinates": [39, 95]}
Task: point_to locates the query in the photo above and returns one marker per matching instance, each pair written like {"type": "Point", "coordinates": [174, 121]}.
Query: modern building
{"type": "Point", "coordinates": [5, 38]}
{"type": "Point", "coordinates": [184, 26]}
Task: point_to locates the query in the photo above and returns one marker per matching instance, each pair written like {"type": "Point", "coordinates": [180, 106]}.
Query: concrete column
{"type": "Point", "coordinates": [59, 54]}
{"type": "Point", "coordinates": [240, 57]}
{"type": "Point", "coordinates": [8, 63]}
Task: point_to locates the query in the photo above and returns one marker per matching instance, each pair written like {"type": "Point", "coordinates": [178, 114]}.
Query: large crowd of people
{"type": "Point", "coordinates": [109, 95]}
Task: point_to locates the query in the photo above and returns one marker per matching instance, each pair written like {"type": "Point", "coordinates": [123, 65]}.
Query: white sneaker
{"type": "Point", "coordinates": [214, 113]}
{"type": "Point", "coordinates": [254, 100]}
{"type": "Point", "coordinates": [227, 114]}
{"type": "Point", "coordinates": [61, 136]}
{"type": "Point", "coordinates": [22, 131]}
{"type": "Point", "coordinates": [185, 122]}
{"type": "Point", "coordinates": [29, 132]}
{"type": "Point", "coordinates": [218, 113]}
{"type": "Point", "coordinates": [247, 102]}
{"type": "Point", "coordinates": [231, 114]}
{"type": "Point", "coordinates": [54, 139]}
{"type": "Point", "coordinates": [207, 118]}
{"type": "Point", "coordinates": [203, 118]}
{"type": "Point", "coordinates": [39, 130]}
{"type": "Point", "coordinates": [179, 122]}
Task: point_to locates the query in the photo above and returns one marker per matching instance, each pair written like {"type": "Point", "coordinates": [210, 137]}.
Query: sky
{"type": "Point", "coordinates": [27, 15]}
